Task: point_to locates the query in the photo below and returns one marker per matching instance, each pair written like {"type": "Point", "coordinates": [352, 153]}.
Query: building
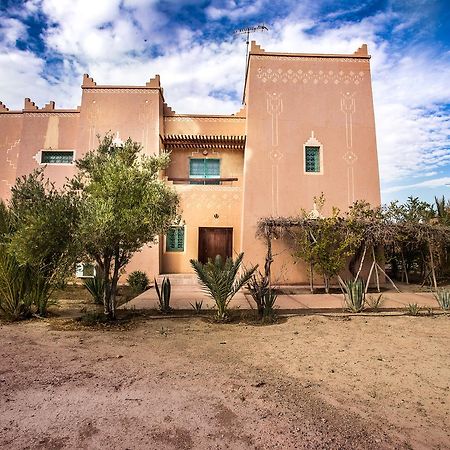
{"type": "Point", "coordinates": [307, 126]}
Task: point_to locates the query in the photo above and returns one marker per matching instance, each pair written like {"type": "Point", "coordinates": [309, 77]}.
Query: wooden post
{"type": "Point", "coordinates": [362, 262]}
{"type": "Point", "coordinates": [370, 275]}
{"type": "Point", "coordinates": [376, 268]}
{"type": "Point", "coordinates": [433, 271]}
{"type": "Point", "coordinates": [269, 257]}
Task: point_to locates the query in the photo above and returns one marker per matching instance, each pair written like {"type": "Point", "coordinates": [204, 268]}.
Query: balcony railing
{"type": "Point", "coordinates": [204, 181]}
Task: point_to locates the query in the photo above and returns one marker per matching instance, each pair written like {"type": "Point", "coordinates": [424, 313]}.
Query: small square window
{"type": "Point", "coordinates": [175, 239]}
{"type": "Point", "coordinates": [85, 270]}
{"type": "Point", "coordinates": [312, 159]}
{"type": "Point", "coordinates": [57, 157]}
{"type": "Point", "coordinates": [206, 171]}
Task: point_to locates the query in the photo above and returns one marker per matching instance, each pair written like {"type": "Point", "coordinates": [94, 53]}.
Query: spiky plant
{"type": "Point", "coordinates": [354, 295]}
{"type": "Point", "coordinates": [197, 306]}
{"type": "Point", "coordinates": [263, 295]}
{"type": "Point", "coordinates": [96, 287]}
{"type": "Point", "coordinates": [163, 293]}
{"type": "Point", "coordinates": [443, 298]}
{"type": "Point", "coordinates": [413, 309]}
{"type": "Point", "coordinates": [222, 280]}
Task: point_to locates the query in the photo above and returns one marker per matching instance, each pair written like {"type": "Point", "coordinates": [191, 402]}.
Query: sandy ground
{"type": "Point", "coordinates": [315, 382]}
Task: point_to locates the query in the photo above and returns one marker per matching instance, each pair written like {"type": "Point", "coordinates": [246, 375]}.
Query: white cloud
{"type": "Point", "coordinates": [107, 38]}
{"type": "Point", "coordinates": [234, 10]}
{"type": "Point", "coordinates": [437, 182]}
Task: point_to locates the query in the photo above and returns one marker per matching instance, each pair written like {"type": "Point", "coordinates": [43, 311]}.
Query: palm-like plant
{"type": "Point", "coordinates": [221, 280]}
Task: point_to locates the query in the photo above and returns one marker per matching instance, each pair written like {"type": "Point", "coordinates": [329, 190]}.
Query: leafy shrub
{"type": "Point", "coordinates": [96, 287]}
{"type": "Point", "coordinates": [221, 281]}
{"type": "Point", "coordinates": [443, 298]}
{"type": "Point", "coordinates": [354, 295]}
{"type": "Point", "coordinates": [263, 295]}
{"type": "Point", "coordinates": [138, 281]}
{"type": "Point", "coordinates": [164, 295]}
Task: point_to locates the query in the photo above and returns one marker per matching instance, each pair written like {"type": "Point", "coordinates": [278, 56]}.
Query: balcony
{"type": "Point", "coordinates": [204, 181]}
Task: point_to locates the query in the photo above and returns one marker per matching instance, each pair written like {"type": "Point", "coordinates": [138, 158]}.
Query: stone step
{"type": "Point", "coordinates": [179, 279]}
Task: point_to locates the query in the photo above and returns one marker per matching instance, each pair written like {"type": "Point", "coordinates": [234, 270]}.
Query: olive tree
{"type": "Point", "coordinates": [41, 238]}
{"type": "Point", "coordinates": [124, 206]}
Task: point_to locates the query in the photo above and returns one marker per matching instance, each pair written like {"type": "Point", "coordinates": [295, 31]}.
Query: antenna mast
{"type": "Point", "coordinates": [247, 31]}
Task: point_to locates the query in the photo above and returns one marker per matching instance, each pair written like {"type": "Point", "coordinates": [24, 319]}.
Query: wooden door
{"type": "Point", "coordinates": [214, 241]}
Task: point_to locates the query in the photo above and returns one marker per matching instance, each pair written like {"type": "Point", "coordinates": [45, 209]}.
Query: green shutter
{"type": "Point", "coordinates": [204, 169]}
{"type": "Point", "coordinates": [175, 239]}
{"type": "Point", "coordinates": [312, 159]}
{"type": "Point", "coordinates": [51, 157]}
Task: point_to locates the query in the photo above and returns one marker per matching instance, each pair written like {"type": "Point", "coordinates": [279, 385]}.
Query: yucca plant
{"type": "Point", "coordinates": [164, 295]}
{"type": "Point", "coordinates": [197, 306]}
{"type": "Point", "coordinates": [222, 280]}
{"type": "Point", "coordinates": [354, 294]}
{"type": "Point", "coordinates": [15, 296]}
{"type": "Point", "coordinates": [263, 295]}
{"type": "Point", "coordinates": [443, 298]}
{"type": "Point", "coordinates": [96, 287]}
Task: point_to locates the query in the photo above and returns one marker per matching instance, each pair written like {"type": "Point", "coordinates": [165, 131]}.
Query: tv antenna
{"type": "Point", "coordinates": [247, 31]}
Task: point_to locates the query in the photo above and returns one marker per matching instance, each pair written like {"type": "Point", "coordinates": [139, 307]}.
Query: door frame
{"type": "Point", "coordinates": [229, 241]}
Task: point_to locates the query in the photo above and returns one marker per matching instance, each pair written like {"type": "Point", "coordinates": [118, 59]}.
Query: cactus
{"type": "Point", "coordinates": [164, 295]}
{"type": "Point", "coordinates": [355, 296]}
{"type": "Point", "coordinates": [443, 298]}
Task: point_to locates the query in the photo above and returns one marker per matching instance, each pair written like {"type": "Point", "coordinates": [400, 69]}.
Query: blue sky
{"type": "Point", "coordinates": [46, 46]}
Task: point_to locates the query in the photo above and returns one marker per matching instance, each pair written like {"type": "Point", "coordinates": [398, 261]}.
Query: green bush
{"type": "Point", "coordinates": [138, 281]}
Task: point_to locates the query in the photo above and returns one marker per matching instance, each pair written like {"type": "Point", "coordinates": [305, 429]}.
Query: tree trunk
{"type": "Point", "coordinates": [115, 280]}
{"type": "Point", "coordinates": [327, 284]}
{"type": "Point", "coordinates": [405, 269]}
{"type": "Point", "coordinates": [311, 277]}
{"type": "Point", "coordinates": [107, 286]}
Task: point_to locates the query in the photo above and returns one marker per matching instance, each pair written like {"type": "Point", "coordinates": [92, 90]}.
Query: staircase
{"type": "Point", "coordinates": [180, 279]}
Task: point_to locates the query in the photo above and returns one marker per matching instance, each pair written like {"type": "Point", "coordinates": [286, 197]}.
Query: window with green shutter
{"type": "Point", "coordinates": [312, 159]}
{"type": "Point", "coordinates": [206, 171]}
{"type": "Point", "coordinates": [57, 157]}
{"type": "Point", "coordinates": [175, 239]}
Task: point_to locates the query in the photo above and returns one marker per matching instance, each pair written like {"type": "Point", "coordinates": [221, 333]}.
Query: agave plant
{"type": "Point", "coordinates": [96, 287]}
{"type": "Point", "coordinates": [443, 298]}
{"type": "Point", "coordinates": [221, 280]}
{"type": "Point", "coordinates": [164, 295]}
{"type": "Point", "coordinates": [355, 297]}
{"type": "Point", "coordinates": [263, 295]}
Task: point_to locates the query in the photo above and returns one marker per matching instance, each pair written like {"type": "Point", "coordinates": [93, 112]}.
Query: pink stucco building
{"type": "Point", "coordinates": [307, 126]}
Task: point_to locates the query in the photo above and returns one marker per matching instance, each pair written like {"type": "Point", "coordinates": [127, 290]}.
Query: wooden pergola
{"type": "Point", "coordinates": [203, 142]}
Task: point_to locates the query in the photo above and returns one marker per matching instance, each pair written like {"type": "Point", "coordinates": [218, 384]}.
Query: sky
{"type": "Point", "coordinates": [47, 45]}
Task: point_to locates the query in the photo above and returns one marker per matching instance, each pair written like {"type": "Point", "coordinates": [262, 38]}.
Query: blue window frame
{"type": "Point", "coordinates": [175, 239]}
{"type": "Point", "coordinates": [312, 159]}
{"type": "Point", "coordinates": [204, 169]}
{"type": "Point", "coordinates": [57, 157]}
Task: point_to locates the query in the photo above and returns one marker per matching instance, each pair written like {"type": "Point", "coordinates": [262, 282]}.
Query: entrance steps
{"type": "Point", "coordinates": [180, 279]}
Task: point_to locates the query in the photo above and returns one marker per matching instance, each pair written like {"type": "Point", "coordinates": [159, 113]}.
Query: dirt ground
{"type": "Point", "coordinates": [315, 382]}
